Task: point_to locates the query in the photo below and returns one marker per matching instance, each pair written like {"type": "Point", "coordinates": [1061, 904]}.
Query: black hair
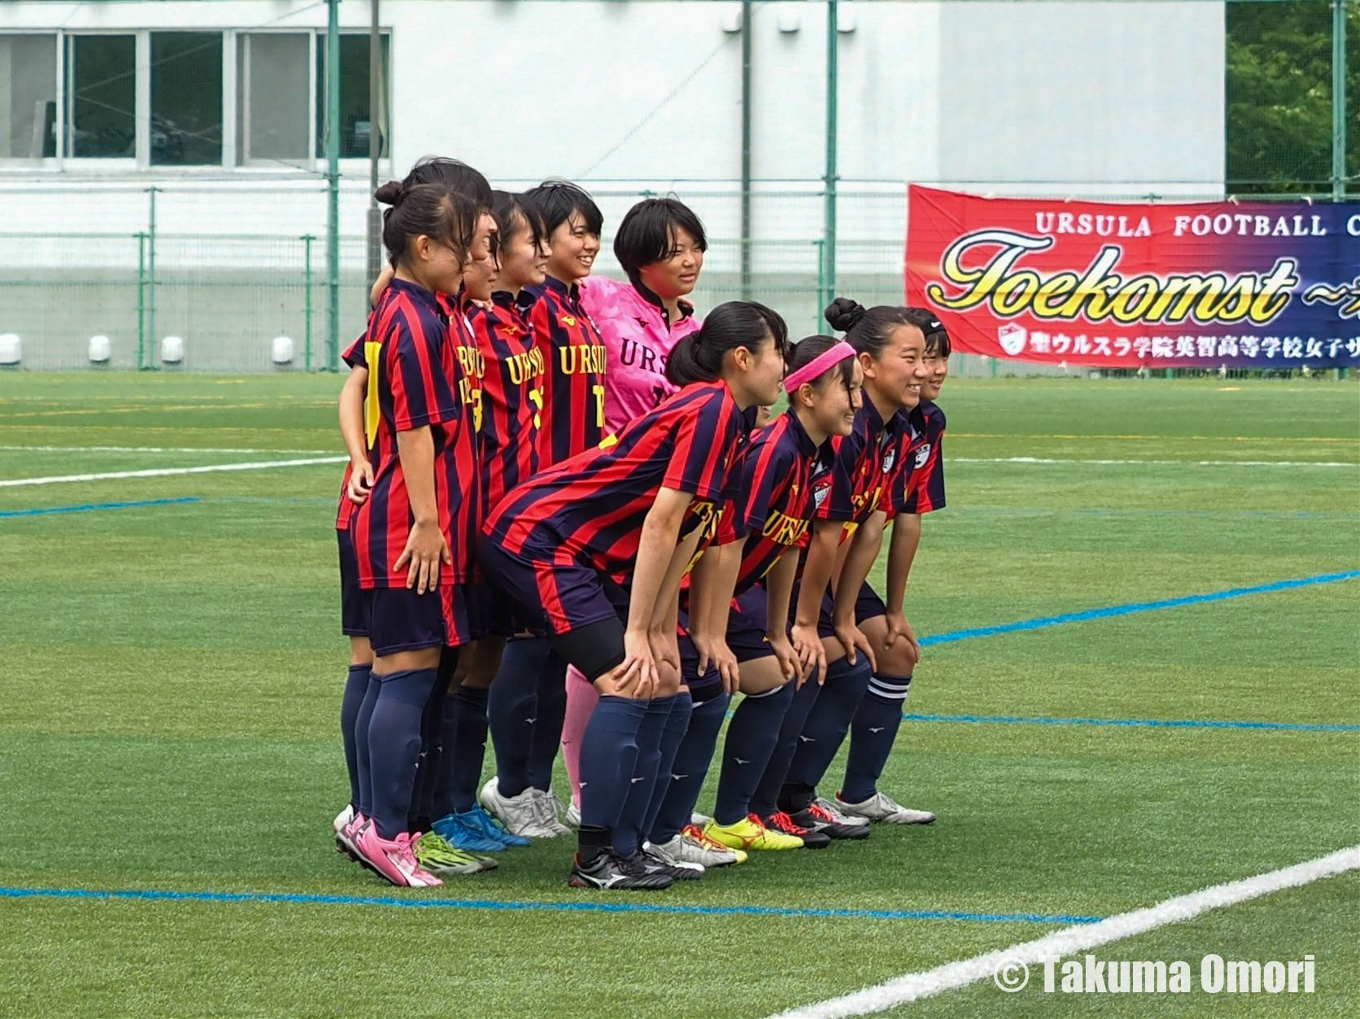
{"type": "Point", "coordinates": [456, 175]}
{"type": "Point", "coordinates": [869, 329]}
{"type": "Point", "coordinates": [650, 231]}
{"type": "Point", "coordinates": [937, 337]}
{"type": "Point", "coordinates": [809, 348]}
{"type": "Point", "coordinates": [699, 356]}
{"type": "Point", "coordinates": [557, 200]}
{"type": "Point", "coordinates": [434, 210]}
{"type": "Point", "coordinates": [514, 211]}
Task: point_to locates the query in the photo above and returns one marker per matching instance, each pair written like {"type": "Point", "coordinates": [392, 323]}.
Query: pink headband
{"type": "Point", "coordinates": [817, 365]}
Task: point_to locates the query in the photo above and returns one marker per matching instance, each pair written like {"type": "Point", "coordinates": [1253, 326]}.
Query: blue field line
{"type": "Point", "coordinates": [1134, 607]}
{"type": "Point", "coordinates": [93, 506]}
{"type": "Point", "coordinates": [544, 907]}
{"type": "Point", "coordinates": [1150, 723]}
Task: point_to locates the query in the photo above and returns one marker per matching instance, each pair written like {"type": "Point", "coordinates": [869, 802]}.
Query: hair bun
{"type": "Point", "coordinates": [843, 314]}
{"type": "Point", "coordinates": [390, 193]}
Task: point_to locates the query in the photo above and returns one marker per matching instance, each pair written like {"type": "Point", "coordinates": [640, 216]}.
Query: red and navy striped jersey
{"type": "Point", "coordinates": [415, 380]}
{"type": "Point", "coordinates": [773, 505]}
{"type": "Point", "coordinates": [512, 394]}
{"type": "Point", "coordinates": [590, 509]}
{"type": "Point", "coordinates": [574, 359]}
{"type": "Point", "coordinates": [459, 311]}
{"type": "Point", "coordinates": [344, 512]}
{"type": "Point", "coordinates": [863, 466]}
{"type": "Point", "coordinates": [924, 490]}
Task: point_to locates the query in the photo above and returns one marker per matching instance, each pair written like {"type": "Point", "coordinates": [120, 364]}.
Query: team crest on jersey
{"type": "Point", "coordinates": [922, 455]}
{"type": "Point", "coordinates": [889, 460]}
{"type": "Point", "coordinates": [569, 320]}
{"type": "Point", "coordinates": [820, 490]}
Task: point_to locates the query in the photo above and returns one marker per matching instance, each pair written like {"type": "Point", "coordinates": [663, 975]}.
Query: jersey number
{"type": "Point", "coordinates": [599, 405]}
{"type": "Point", "coordinates": [536, 398]}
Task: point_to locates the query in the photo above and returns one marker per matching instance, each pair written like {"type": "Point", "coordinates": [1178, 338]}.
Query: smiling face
{"type": "Point", "coordinates": [894, 376]}
{"type": "Point", "coordinates": [479, 274]}
{"type": "Point", "coordinates": [755, 374]}
{"type": "Point", "coordinates": [827, 406]}
{"type": "Point", "coordinates": [675, 275]}
{"type": "Point", "coordinates": [937, 368]}
{"type": "Point", "coordinates": [573, 249]}
{"type": "Point", "coordinates": [523, 263]}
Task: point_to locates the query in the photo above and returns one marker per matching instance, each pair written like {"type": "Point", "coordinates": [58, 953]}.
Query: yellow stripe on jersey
{"type": "Point", "coordinates": [372, 412]}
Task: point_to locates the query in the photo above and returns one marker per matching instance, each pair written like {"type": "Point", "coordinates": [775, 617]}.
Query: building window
{"type": "Point", "coordinates": [28, 96]}
{"type": "Point", "coordinates": [186, 98]}
{"type": "Point", "coordinates": [273, 81]}
{"type": "Point", "coordinates": [101, 96]}
{"type": "Point", "coordinates": [355, 118]}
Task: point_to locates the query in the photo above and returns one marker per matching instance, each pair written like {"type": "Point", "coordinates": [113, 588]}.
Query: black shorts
{"type": "Point", "coordinates": [401, 620]}
{"type": "Point", "coordinates": [868, 605]}
{"type": "Point", "coordinates": [552, 598]}
{"type": "Point", "coordinates": [353, 609]}
{"type": "Point", "coordinates": [745, 637]}
{"type": "Point", "coordinates": [494, 611]}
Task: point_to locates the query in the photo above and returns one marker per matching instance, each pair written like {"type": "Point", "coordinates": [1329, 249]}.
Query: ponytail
{"type": "Point", "coordinates": [869, 330]}
{"type": "Point", "coordinates": [699, 356]}
{"type": "Point", "coordinates": [432, 210]}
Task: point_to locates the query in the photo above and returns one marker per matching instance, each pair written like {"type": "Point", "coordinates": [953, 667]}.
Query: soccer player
{"type": "Point", "coordinates": [593, 552]}
{"type": "Point", "coordinates": [413, 535]}
{"type": "Point", "coordinates": [755, 559]}
{"type": "Point", "coordinates": [844, 543]}
{"type": "Point", "coordinates": [531, 681]}
{"type": "Point", "coordinates": [879, 714]}
{"type": "Point", "coordinates": [660, 245]}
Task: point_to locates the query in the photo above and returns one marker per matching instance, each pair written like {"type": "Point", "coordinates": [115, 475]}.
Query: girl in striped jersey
{"type": "Point", "coordinates": [755, 561]}
{"type": "Point", "coordinates": [660, 245]}
{"type": "Point", "coordinates": [844, 543]}
{"type": "Point", "coordinates": [411, 534]}
{"type": "Point", "coordinates": [880, 712]}
{"type": "Point", "coordinates": [593, 551]}
{"type": "Point", "coordinates": [528, 699]}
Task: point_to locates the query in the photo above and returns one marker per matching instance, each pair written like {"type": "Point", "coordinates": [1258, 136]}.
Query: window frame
{"type": "Point", "coordinates": [232, 110]}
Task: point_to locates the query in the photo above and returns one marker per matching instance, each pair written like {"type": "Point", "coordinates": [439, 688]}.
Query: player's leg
{"type": "Point", "coordinates": [581, 699]}
{"type": "Point", "coordinates": [874, 730]}
{"type": "Point", "coordinates": [354, 624]}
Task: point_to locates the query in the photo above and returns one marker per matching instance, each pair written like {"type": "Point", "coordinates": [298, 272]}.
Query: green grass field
{"type": "Point", "coordinates": [173, 673]}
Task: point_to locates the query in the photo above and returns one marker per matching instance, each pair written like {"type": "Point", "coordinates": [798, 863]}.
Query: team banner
{"type": "Point", "coordinates": [1264, 285]}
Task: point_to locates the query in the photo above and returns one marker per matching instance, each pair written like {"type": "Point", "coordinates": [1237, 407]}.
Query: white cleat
{"type": "Point", "coordinates": [699, 820]}
{"type": "Point", "coordinates": [839, 816]}
{"type": "Point", "coordinates": [573, 815]}
{"type": "Point", "coordinates": [547, 806]}
{"type": "Point", "coordinates": [659, 854]}
{"type": "Point", "coordinates": [882, 807]}
{"type": "Point", "coordinates": [686, 848]}
{"type": "Point", "coordinates": [520, 814]}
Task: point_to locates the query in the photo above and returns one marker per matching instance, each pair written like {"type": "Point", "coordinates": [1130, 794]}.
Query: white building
{"type": "Point", "coordinates": [218, 107]}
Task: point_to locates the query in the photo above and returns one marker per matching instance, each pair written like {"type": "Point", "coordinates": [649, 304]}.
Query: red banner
{"type": "Point", "coordinates": [1139, 284]}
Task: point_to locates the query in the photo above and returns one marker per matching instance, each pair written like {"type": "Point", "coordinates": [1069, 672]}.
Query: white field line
{"type": "Point", "coordinates": [1071, 940]}
{"type": "Point", "coordinates": [160, 472]}
{"type": "Point", "coordinates": [1168, 463]}
{"type": "Point", "coordinates": [150, 449]}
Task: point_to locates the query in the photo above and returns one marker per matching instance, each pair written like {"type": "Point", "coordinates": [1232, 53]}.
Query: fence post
{"type": "Point", "coordinates": [141, 301]}
{"type": "Point", "coordinates": [820, 245]}
{"type": "Point", "coordinates": [307, 298]}
{"type": "Point", "coordinates": [151, 282]}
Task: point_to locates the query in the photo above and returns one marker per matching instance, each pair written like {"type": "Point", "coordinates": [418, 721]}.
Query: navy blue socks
{"type": "Point", "coordinates": [765, 799]}
{"type": "Point", "coordinates": [609, 750]}
{"type": "Point", "coordinates": [824, 731]}
{"type": "Point", "coordinates": [362, 769]}
{"type": "Point", "coordinates": [464, 741]}
{"type": "Point", "coordinates": [356, 688]}
{"type": "Point", "coordinates": [751, 740]}
{"type": "Point", "coordinates": [871, 735]}
{"type": "Point", "coordinates": [547, 735]}
{"type": "Point", "coordinates": [676, 732]}
{"type": "Point", "coordinates": [394, 745]}
{"type": "Point", "coordinates": [628, 828]}
{"type": "Point", "coordinates": [512, 710]}
{"type": "Point", "coordinates": [690, 766]}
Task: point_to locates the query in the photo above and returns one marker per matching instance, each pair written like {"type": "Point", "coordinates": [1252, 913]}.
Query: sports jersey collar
{"type": "Point", "coordinates": [567, 291]}
{"type": "Point", "coordinates": [805, 444]}
{"type": "Point", "coordinates": [686, 309]}
{"type": "Point", "coordinates": [418, 293]}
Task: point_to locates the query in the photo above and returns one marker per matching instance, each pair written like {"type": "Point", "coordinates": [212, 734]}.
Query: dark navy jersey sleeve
{"type": "Point", "coordinates": [422, 392]}
{"type": "Point", "coordinates": [838, 502]}
{"type": "Point", "coordinates": [925, 493]}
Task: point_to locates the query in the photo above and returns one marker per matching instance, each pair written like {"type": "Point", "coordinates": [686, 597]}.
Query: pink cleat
{"type": "Point", "coordinates": [347, 824]}
{"type": "Point", "coordinates": [392, 859]}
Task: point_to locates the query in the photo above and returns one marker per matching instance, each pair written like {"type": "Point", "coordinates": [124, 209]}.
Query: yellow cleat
{"type": "Point", "coordinates": [751, 833]}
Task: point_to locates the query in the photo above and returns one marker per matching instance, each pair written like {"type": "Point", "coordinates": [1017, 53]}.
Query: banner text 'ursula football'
{"type": "Point", "coordinates": [1129, 285]}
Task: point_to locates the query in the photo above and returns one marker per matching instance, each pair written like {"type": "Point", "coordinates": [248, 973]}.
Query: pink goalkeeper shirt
{"type": "Point", "coordinates": [639, 340]}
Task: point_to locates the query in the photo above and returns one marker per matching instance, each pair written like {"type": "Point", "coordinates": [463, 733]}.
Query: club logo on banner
{"type": "Point", "coordinates": [1127, 285]}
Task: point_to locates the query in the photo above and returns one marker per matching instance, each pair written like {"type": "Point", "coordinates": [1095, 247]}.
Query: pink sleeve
{"type": "Point", "coordinates": [637, 344]}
